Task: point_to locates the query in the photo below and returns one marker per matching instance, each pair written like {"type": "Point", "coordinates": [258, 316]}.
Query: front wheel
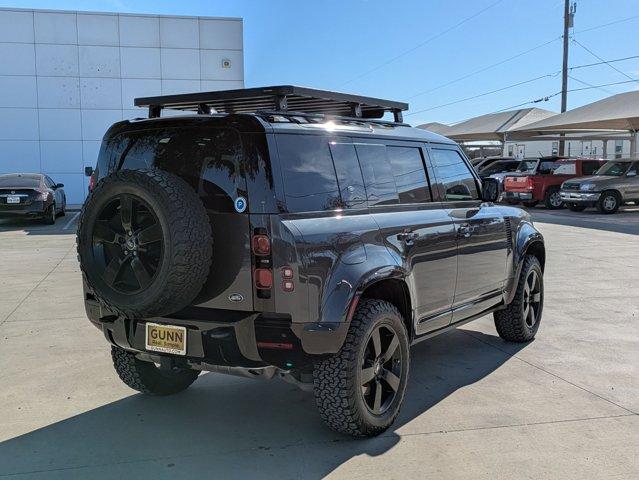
{"type": "Point", "coordinates": [553, 200]}
{"type": "Point", "coordinates": [609, 202]}
{"type": "Point", "coordinates": [360, 390]}
{"type": "Point", "coordinates": [145, 377]}
{"type": "Point", "coordinates": [519, 321]}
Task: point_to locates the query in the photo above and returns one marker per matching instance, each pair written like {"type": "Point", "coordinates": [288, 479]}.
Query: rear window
{"type": "Point", "coordinates": [207, 158]}
{"type": "Point", "coordinates": [310, 181]}
{"type": "Point", "coordinates": [20, 181]}
{"type": "Point", "coordinates": [500, 167]}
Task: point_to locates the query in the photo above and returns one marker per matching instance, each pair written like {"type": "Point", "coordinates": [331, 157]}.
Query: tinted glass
{"type": "Point", "coordinates": [454, 175]}
{"type": "Point", "coordinates": [589, 168]}
{"type": "Point", "coordinates": [349, 174]}
{"type": "Point", "coordinates": [547, 167]}
{"type": "Point", "coordinates": [527, 166]}
{"type": "Point", "coordinates": [378, 174]}
{"type": "Point", "coordinates": [20, 181]}
{"type": "Point", "coordinates": [310, 182]}
{"type": "Point", "coordinates": [500, 167]}
{"type": "Point", "coordinates": [614, 168]}
{"type": "Point", "coordinates": [207, 158]}
{"type": "Point", "coordinates": [409, 173]}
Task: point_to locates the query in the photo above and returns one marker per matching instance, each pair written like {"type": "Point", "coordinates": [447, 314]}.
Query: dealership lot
{"type": "Point", "coordinates": [565, 406]}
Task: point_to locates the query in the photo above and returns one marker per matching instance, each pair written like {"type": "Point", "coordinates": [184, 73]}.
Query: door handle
{"type": "Point", "coordinates": [465, 230]}
{"type": "Point", "coordinates": [407, 237]}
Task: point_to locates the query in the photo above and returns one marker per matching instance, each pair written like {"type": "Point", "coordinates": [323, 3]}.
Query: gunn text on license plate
{"type": "Point", "coordinates": [166, 338]}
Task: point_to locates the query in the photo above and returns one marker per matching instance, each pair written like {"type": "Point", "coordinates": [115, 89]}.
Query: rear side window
{"type": "Point", "coordinates": [378, 174]}
{"type": "Point", "coordinates": [409, 174]}
{"type": "Point", "coordinates": [349, 174]}
{"type": "Point", "coordinates": [453, 174]}
{"type": "Point", "coordinates": [310, 182]}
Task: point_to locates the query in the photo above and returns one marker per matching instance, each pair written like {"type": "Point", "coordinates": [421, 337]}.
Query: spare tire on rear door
{"type": "Point", "coordinates": [144, 243]}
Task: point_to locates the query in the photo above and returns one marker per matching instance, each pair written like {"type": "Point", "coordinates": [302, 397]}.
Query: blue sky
{"type": "Point", "coordinates": [399, 49]}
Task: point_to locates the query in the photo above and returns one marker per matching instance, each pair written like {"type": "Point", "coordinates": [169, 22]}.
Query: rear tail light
{"type": "Point", "coordinates": [263, 278]}
{"type": "Point", "coordinates": [261, 245]}
{"type": "Point", "coordinates": [91, 182]}
{"type": "Point", "coordinates": [42, 195]}
{"type": "Point", "coordinates": [530, 183]}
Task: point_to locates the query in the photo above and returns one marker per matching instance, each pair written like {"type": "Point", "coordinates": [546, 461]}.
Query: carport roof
{"type": "Point", "coordinates": [434, 127]}
{"type": "Point", "coordinates": [618, 112]}
{"type": "Point", "coordinates": [495, 126]}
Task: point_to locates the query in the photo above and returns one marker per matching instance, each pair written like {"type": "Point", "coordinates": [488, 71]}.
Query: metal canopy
{"type": "Point", "coordinates": [282, 98]}
{"type": "Point", "coordinates": [618, 112]}
{"type": "Point", "coordinates": [495, 126]}
{"type": "Point", "coordinates": [434, 127]}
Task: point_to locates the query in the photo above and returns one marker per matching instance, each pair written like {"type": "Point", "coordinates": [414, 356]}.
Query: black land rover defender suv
{"type": "Point", "coordinates": [296, 233]}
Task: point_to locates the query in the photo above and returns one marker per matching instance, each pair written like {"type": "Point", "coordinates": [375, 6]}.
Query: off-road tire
{"type": "Point", "coordinates": [576, 208]}
{"type": "Point", "coordinates": [510, 322]}
{"type": "Point", "coordinates": [145, 377]}
{"type": "Point", "coordinates": [187, 247]}
{"type": "Point", "coordinates": [602, 199]}
{"type": "Point", "coordinates": [335, 380]}
{"type": "Point", "coordinates": [548, 197]}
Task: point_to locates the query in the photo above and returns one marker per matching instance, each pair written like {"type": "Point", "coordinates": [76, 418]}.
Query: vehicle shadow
{"type": "Point", "coordinates": [224, 427]}
{"type": "Point", "coordinates": [33, 226]}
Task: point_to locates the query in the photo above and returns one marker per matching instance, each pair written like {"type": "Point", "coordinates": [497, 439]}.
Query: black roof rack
{"type": "Point", "coordinates": [282, 98]}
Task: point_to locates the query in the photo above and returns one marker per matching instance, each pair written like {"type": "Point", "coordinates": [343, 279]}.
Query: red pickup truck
{"type": "Point", "coordinates": [539, 179]}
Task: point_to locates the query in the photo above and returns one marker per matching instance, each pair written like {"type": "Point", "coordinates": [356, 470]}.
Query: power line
{"type": "Point", "coordinates": [485, 93]}
{"type": "Point", "coordinates": [589, 84]}
{"type": "Point", "coordinates": [607, 24]}
{"type": "Point", "coordinates": [604, 61]}
{"type": "Point", "coordinates": [485, 68]}
{"type": "Point", "coordinates": [430, 39]}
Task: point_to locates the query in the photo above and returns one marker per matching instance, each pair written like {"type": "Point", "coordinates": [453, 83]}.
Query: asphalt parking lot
{"type": "Point", "coordinates": [565, 406]}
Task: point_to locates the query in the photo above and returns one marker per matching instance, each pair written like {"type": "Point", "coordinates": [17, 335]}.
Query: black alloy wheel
{"type": "Point", "coordinates": [381, 369]}
{"type": "Point", "coordinates": [127, 240]}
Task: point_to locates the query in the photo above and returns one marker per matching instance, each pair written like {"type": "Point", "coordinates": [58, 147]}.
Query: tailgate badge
{"type": "Point", "coordinates": [236, 297]}
{"type": "Point", "coordinates": [240, 204]}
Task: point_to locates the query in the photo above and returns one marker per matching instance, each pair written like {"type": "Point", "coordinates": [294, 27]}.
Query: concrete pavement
{"type": "Point", "coordinates": [562, 407]}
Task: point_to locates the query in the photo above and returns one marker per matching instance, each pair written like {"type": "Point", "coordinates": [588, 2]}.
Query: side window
{"type": "Point", "coordinates": [589, 168]}
{"type": "Point", "coordinates": [634, 168]}
{"type": "Point", "coordinates": [349, 174]}
{"type": "Point", "coordinates": [409, 173]}
{"type": "Point", "coordinates": [453, 174]}
{"type": "Point", "coordinates": [310, 183]}
{"type": "Point", "coordinates": [378, 174]}
{"type": "Point", "coordinates": [48, 182]}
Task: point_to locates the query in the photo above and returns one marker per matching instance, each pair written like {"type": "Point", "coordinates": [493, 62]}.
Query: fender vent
{"type": "Point", "coordinates": [509, 234]}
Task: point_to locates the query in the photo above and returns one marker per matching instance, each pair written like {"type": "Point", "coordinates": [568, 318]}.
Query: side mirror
{"type": "Point", "coordinates": [490, 189]}
{"type": "Point", "coordinates": [88, 171]}
{"type": "Point", "coordinates": [59, 185]}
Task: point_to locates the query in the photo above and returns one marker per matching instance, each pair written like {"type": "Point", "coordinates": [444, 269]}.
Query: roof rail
{"type": "Point", "coordinates": [281, 98]}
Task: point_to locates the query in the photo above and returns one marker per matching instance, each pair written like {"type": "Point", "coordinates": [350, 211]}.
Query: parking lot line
{"type": "Point", "coordinates": [73, 219]}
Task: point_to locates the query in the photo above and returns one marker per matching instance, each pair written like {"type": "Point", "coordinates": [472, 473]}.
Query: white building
{"type": "Point", "coordinates": [66, 76]}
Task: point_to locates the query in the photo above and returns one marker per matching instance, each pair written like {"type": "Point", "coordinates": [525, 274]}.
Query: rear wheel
{"type": "Point", "coordinates": [50, 215]}
{"type": "Point", "coordinates": [359, 391]}
{"type": "Point", "coordinates": [609, 202]}
{"type": "Point", "coordinates": [519, 321]}
{"type": "Point", "coordinates": [553, 200]}
{"type": "Point", "coordinates": [145, 377]}
{"type": "Point", "coordinates": [576, 208]}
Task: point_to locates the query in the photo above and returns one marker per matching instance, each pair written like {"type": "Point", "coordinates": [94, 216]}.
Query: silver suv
{"type": "Point", "coordinates": [614, 184]}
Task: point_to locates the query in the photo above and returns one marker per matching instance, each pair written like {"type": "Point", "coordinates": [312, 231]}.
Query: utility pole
{"type": "Point", "coordinates": [569, 14]}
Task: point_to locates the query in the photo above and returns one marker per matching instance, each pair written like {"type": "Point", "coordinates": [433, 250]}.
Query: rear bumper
{"type": "Point", "coordinates": [34, 209]}
{"type": "Point", "coordinates": [517, 196]}
{"type": "Point", "coordinates": [229, 338]}
{"type": "Point", "coordinates": [579, 198]}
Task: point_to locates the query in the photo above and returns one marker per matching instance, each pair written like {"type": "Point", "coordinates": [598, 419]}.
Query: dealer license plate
{"type": "Point", "coordinates": [166, 338]}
